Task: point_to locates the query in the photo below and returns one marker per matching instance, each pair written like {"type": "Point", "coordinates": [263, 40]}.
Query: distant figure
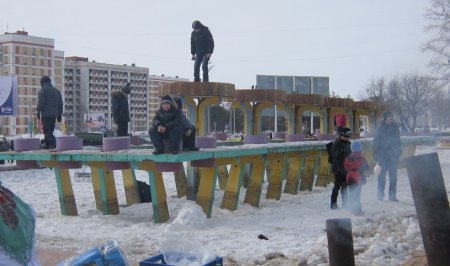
{"type": "Point", "coordinates": [49, 109]}
{"type": "Point", "coordinates": [189, 129]}
{"type": "Point", "coordinates": [120, 110]}
{"type": "Point", "coordinates": [357, 167]}
{"type": "Point", "coordinates": [340, 122]}
{"type": "Point", "coordinates": [202, 47]}
{"type": "Point", "coordinates": [387, 148]}
{"type": "Point", "coordinates": [166, 125]}
{"type": "Point", "coordinates": [339, 151]}
{"type": "Point", "coordinates": [4, 146]}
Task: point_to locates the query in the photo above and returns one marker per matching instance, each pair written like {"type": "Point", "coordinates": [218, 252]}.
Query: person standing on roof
{"type": "Point", "coordinates": [202, 47]}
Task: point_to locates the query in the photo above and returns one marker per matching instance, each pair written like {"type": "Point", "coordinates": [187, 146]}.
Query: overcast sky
{"type": "Point", "coordinates": [348, 40]}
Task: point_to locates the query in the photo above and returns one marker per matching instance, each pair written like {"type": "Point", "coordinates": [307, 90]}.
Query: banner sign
{"type": "Point", "coordinates": [8, 95]}
{"type": "Point", "coordinates": [94, 119]}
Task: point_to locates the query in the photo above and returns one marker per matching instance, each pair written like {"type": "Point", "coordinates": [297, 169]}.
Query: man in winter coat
{"type": "Point", "coordinates": [340, 151]}
{"type": "Point", "coordinates": [49, 109]}
{"type": "Point", "coordinates": [387, 148]}
{"type": "Point", "coordinates": [188, 128]}
{"type": "Point", "coordinates": [202, 47]}
{"type": "Point", "coordinates": [120, 111]}
{"type": "Point", "coordinates": [166, 125]}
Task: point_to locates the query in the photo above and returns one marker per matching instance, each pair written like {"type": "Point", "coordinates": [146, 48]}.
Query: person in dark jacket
{"type": "Point", "coordinates": [357, 167]}
{"type": "Point", "coordinates": [166, 125]}
{"type": "Point", "coordinates": [120, 110]}
{"type": "Point", "coordinates": [340, 151]}
{"type": "Point", "coordinates": [49, 109]}
{"type": "Point", "coordinates": [387, 148]}
{"type": "Point", "coordinates": [202, 47]}
{"type": "Point", "coordinates": [189, 129]}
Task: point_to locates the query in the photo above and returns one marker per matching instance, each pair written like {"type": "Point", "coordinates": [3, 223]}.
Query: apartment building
{"type": "Point", "coordinates": [28, 58]}
{"type": "Point", "coordinates": [89, 86]}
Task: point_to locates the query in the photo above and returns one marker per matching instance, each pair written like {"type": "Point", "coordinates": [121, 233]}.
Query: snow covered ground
{"type": "Point", "coordinates": [294, 225]}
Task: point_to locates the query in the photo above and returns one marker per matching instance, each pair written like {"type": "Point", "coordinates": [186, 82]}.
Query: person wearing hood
{"type": "Point", "coordinates": [387, 148]}
{"type": "Point", "coordinates": [189, 129]}
{"type": "Point", "coordinates": [49, 109]}
{"type": "Point", "coordinates": [357, 167]}
{"type": "Point", "coordinates": [120, 110]}
{"type": "Point", "coordinates": [166, 125]}
{"type": "Point", "coordinates": [202, 47]}
{"type": "Point", "coordinates": [340, 150]}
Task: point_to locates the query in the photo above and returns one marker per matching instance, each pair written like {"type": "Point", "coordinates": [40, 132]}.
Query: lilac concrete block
{"type": "Point", "coordinates": [326, 137]}
{"type": "Point", "coordinates": [135, 140]}
{"type": "Point", "coordinates": [116, 143]}
{"type": "Point", "coordinates": [295, 137]}
{"type": "Point", "coordinates": [278, 135]}
{"type": "Point", "coordinates": [27, 145]}
{"type": "Point", "coordinates": [258, 139]}
{"type": "Point", "coordinates": [67, 143]}
{"type": "Point", "coordinates": [220, 136]}
{"type": "Point", "coordinates": [204, 143]}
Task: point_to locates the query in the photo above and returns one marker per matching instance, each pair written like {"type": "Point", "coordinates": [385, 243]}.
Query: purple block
{"type": "Point", "coordinates": [116, 143]}
{"type": "Point", "coordinates": [219, 135]}
{"type": "Point", "coordinates": [295, 137]}
{"type": "Point", "coordinates": [202, 143]}
{"type": "Point", "coordinates": [326, 137]}
{"type": "Point", "coordinates": [135, 140]}
{"type": "Point", "coordinates": [258, 139]}
{"type": "Point", "coordinates": [27, 145]}
{"type": "Point", "coordinates": [278, 135]}
{"type": "Point", "coordinates": [67, 143]}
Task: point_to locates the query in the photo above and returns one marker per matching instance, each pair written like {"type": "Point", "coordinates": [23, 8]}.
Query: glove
{"type": "Point", "coordinates": [38, 115]}
{"type": "Point", "coordinates": [59, 118]}
{"type": "Point", "coordinates": [193, 57]}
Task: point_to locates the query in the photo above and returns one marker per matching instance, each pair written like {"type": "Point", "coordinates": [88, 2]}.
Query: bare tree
{"type": "Point", "coordinates": [375, 91]}
{"type": "Point", "coordinates": [440, 108]}
{"type": "Point", "coordinates": [411, 95]}
{"type": "Point", "coordinates": [438, 16]}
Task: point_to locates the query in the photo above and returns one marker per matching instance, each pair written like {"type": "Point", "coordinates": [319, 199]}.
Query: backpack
{"type": "Point", "coordinates": [144, 192]}
{"type": "Point", "coordinates": [329, 146]}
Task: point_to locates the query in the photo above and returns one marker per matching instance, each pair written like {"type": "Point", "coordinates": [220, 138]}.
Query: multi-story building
{"type": "Point", "coordinates": [89, 86]}
{"type": "Point", "coordinates": [28, 58]}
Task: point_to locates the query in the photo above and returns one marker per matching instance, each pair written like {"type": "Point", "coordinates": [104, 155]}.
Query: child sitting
{"type": "Point", "coordinates": [166, 125]}
{"type": "Point", "coordinates": [188, 128]}
{"type": "Point", "coordinates": [356, 166]}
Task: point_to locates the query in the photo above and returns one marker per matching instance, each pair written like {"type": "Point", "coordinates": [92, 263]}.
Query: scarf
{"type": "Point", "coordinates": [17, 224]}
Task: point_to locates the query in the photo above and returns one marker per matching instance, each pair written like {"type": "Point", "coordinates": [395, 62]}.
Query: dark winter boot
{"type": "Point", "coordinates": [333, 206]}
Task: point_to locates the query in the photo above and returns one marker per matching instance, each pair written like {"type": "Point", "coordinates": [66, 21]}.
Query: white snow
{"type": "Point", "coordinates": [294, 225]}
